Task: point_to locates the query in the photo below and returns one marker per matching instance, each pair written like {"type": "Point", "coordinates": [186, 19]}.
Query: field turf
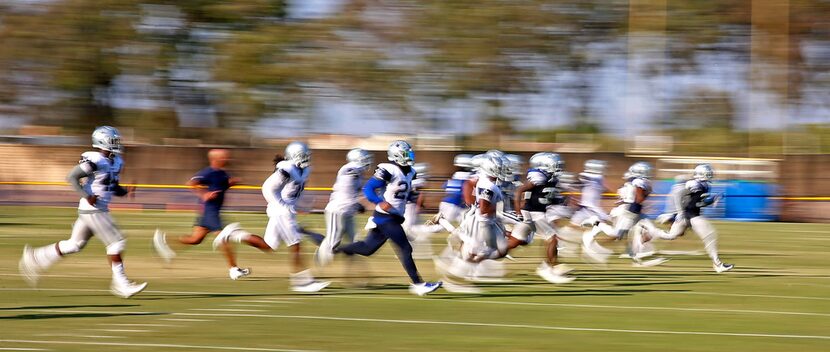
{"type": "Point", "coordinates": [777, 298]}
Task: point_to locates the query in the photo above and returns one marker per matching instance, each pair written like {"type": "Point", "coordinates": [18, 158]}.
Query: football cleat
{"type": "Point", "coordinates": [237, 273]}
{"type": "Point", "coordinates": [722, 267]}
{"type": "Point", "coordinates": [424, 288]}
{"type": "Point", "coordinates": [313, 286]}
{"type": "Point", "coordinates": [162, 249]}
{"type": "Point", "coordinates": [29, 269]}
{"type": "Point", "coordinates": [546, 272]}
{"type": "Point", "coordinates": [126, 289]}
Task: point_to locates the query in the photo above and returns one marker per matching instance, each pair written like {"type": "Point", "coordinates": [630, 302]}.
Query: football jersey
{"type": "Point", "coordinates": [104, 176]}
{"type": "Point", "coordinates": [543, 193]}
{"type": "Point", "coordinates": [488, 190]}
{"type": "Point", "coordinates": [453, 188]}
{"type": "Point", "coordinates": [628, 193]}
{"type": "Point", "coordinates": [347, 188]}
{"type": "Point", "coordinates": [285, 185]}
{"type": "Point", "coordinates": [674, 203]}
{"type": "Point", "coordinates": [592, 188]}
{"type": "Point", "coordinates": [697, 192]}
{"type": "Point", "coordinates": [417, 185]}
{"type": "Point", "coordinates": [398, 186]}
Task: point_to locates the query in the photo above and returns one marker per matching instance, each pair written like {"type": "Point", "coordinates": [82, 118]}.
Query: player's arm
{"type": "Point", "coordinates": [485, 206]}
{"type": "Point", "coordinates": [467, 192]}
{"type": "Point", "coordinates": [84, 169]}
{"type": "Point", "coordinates": [196, 185]}
{"type": "Point", "coordinates": [272, 187]}
{"type": "Point", "coordinates": [121, 191]}
{"type": "Point", "coordinates": [372, 187]}
{"type": "Point", "coordinates": [519, 197]}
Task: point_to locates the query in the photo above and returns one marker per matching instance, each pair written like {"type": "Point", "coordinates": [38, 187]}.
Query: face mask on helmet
{"type": "Point", "coordinates": [401, 153]}
{"type": "Point", "coordinates": [107, 138]}
{"type": "Point", "coordinates": [704, 172]}
{"type": "Point", "coordinates": [298, 154]}
{"type": "Point", "coordinates": [492, 167]}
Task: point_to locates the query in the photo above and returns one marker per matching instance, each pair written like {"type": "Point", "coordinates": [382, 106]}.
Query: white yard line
{"type": "Point", "coordinates": [22, 349]}
{"type": "Point", "coordinates": [119, 330]}
{"type": "Point", "coordinates": [264, 301]}
{"type": "Point", "coordinates": [226, 310]}
{"type": "Point", "coordinates": [183, 319]}
{"type": "Point", "coordinates": [514, 326]}
{"type": "Point", "coordinates": [750, 295]}
{"type": "Point", "coordinates": [76, 336]}
{"type": "Point", "coordinates": [149, 325]}
{"type": "Point", "coordinates": [247, 305]}
{"type": "Point", "coordinates": [599, 306]}
{"type": "Point", "coordinates": [159, 345]}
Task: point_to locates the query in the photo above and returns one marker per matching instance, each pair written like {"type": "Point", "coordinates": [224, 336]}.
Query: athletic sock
{"type": "Point", "coordinates": [118, 275]}
{"type": "Point", "coordinates": [46, 256]}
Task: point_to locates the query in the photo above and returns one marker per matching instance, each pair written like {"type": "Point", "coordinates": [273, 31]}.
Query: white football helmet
{"type": "Point", "coordinates": [107, 138]}
{"type": "Point", "coordinates": [595, 167]}
{"type": "Point", "coordinates": [703, 172]}
{"type": "Point", "coordinates": [401, 153]}
{"type": "Point", "coordinates": [494, 152]}
{"type": "Point", "coordinates": [476, 161]}
{"type": "Point", "coordinates": [535, 160]}
{"type": "Point", "coordinates": [298, 154]}
{"type": "Point", "coordinates": [492, 167]}
{"type": "Point", "coordinates": [463, 161]}
{"type": "Point", "coordinates": [639, 169]}
{"type": "Point", "coordinates": [360, 157]}
{"type": "Point", "coordinates": [551, 163]}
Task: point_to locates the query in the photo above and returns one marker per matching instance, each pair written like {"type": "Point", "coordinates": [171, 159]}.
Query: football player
{"type": "Point", "coordinates": [534, 197]}
{"type": "Point", "coordinates": [101, 168]}
{"type": "Point", "coordinates": [694, 195]}
{"type": "Point", "coordinates": [395, 181]}
{"type": "Point", "coordinates": [344, 203]}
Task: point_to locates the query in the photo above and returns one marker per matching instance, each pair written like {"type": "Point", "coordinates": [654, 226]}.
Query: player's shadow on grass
{"type": "Point", "coordinates": [74, 315]}
{"type": "Point", "coordinates": [157, 297]}
{"type": "Point", "coordinates": [569, 293]}
{"type": "Point", "coordinates": [72, 306]}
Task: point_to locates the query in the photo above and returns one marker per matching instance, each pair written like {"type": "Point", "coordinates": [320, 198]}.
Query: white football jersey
{"type": "Point", "coordinates": [105, 173]}
{"type": "Point", "coordinates": [674, 203]}
{"type": "Point", "coordinates": [347, 187]}
{"type": "Point", "coordinates": [592, 188]}
{"type": "Point", "coordinates": [628, 193]}
{"type": "Point", "coordinates": [398, 186]}
{"type": "Point", "coordinates": [488, 190]}
{"type": "Point", "coordinates": [285, 185]}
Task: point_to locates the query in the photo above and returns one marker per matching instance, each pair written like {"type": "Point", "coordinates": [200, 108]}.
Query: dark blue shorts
{"type": "Point", "coordinates": [210, 219]}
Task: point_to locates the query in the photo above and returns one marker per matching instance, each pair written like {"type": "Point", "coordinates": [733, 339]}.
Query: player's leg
{"type": "Point", "coordinates": [282, 227]}
{"type": "Point", "coordinates": [37, 260]}
{"type": "Point", "coordinates": [704, 229]}
{"type": "Point", "coordinates": [550, 269]}
{"type": "Point", "coordinates": [396, 233]}
{"type": "Point", "coordinates": [368, 246]}
{"type": "Point", "coordinates": [338, 224]}
{"type": "Point", "coordinates": [107, 231]}
{"type": "Point", "coordinates": [196, 237]}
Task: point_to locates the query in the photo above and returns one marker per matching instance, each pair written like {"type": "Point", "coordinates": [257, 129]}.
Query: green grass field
{"type": "Point", "coordinates": [777, 298]}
